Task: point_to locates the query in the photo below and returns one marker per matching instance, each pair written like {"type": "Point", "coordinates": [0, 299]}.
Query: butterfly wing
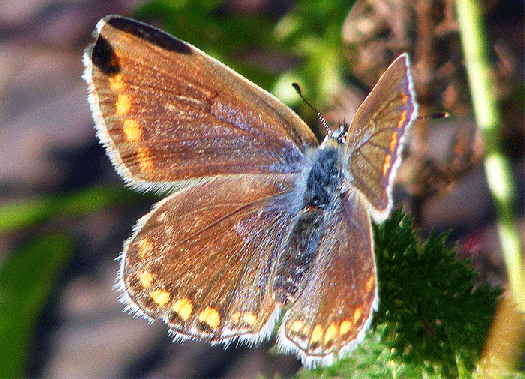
{"type": "Point", "coordinates": [334, 308]}
{"type": "Point", "coordinates": [167, 112]}
{"type": "Point", "coordinates": [377, 133]}
{"type": "Point", "coordinates": [202, 258]}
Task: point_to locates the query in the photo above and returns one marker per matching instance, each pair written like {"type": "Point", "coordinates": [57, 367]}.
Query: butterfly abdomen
{"type": "Point", "coordinates": [300, 247]}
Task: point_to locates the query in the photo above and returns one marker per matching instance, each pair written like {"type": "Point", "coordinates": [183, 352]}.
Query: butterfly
{"type": "Point", "coordinates": [263, 222]}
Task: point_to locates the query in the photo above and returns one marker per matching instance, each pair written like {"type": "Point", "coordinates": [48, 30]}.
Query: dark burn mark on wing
{"type": "Point", "coordinates": [150, 34]}
{"type": "Point", "coordinates": [104, 57]}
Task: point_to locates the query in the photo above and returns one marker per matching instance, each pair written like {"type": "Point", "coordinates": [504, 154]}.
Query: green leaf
{"type": "Point", "coordinates": [26, 279]}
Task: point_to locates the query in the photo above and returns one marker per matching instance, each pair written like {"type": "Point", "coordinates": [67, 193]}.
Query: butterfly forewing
{"type": "Point", "coordinates": [166, 111]}
{"type": "Point", "coordinates": [376, 136]}
{"type": "Point", "coordinates": [202, 258]}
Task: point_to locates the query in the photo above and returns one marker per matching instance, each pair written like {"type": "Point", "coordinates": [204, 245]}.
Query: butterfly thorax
{"type": "Point", "coordinates": [300, 247]}
{"type": "Point", "coordinates": [324, 179]}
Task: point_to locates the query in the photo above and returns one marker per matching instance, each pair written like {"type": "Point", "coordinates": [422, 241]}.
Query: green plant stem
{"type": "Point", "coordinates": [488, 117]}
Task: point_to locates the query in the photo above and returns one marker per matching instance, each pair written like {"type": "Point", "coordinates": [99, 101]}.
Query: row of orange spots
{"type": "Point", "coordinates": [131, 128]}
{"type": "Point", "coordinates": [183, 306]}
{"type": "Point", "coordinates": [393, 139]}
{"type": "Point", "coordinates": [393, 145]}
{"type": "Point", "coordinates": [332, 332]}
{"type": "Point", "coordinates": [392, 148]}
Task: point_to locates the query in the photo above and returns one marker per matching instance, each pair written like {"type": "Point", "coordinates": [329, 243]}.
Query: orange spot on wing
{"type": "Point", "coordinates": [357, 314]}
{"type": "Point", "coordinates": [402, 119]}
{"type": "Point", "coordinates": [183, 307]}
{"type": "Point", "coordinates": [370, 283]}
{"type": "Point", "coordinates": [211, 317]}
{"type": "Point", "coordinates": [145, 247]}
{"type": "Point", "coordinates": [132, 130]}
{"type": "Point", "coordinates": [249, 318]}
{"type": "Point", "coordinates": [116, 83]}
{"type": "Point", "coordinates": [145, 278]}
{"type": "Point", "coordinates": [123, 105]}
{"type": "Point", "coordinates": [331, 332]}
{"type": "Point", "coordinates": [346, 326]}
{"type": "Point", "coordinates": [144, 158]}
{"type": "Point", "coordinates": [317, 334]}
{"type": "Point", "coordinates": [296, 326]}
{"type": "Point", "coordinates": [404, 98]}
{"type": "Point", "coordinates": [387, 164]}
{"type": "Point", "coordinates": [161, 297]}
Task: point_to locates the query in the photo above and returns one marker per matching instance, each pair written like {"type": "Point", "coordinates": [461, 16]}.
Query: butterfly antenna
{"type": "Point", "coordinates": [319, 115]}
{"type": "Point", "coordinates": [434, 115]}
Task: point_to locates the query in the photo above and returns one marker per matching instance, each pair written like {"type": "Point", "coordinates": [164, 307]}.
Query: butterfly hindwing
{"type": "Point", "coordinates": [202, 258]}
{"type": "Point", "coordinates": [335, 303]}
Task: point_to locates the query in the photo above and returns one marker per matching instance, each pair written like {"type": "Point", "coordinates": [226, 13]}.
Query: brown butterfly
{"type": "Point", "coordinates": [265, 222]}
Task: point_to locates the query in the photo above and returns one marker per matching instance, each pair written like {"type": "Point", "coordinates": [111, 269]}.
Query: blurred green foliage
{"type": "Point", "coordinates": [29, 274]}
{"type": "Point", "coordinates": [26, 279]}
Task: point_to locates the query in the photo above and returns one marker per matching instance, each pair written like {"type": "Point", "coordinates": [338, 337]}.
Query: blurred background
{"type": "Point", "coordinates": [64, 212]}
